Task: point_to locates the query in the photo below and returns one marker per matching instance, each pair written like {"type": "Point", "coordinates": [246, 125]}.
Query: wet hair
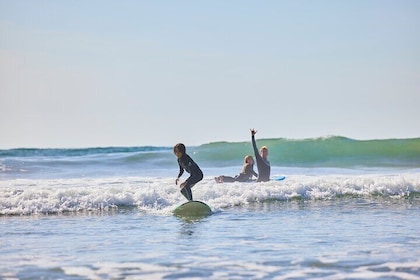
{"type": "Point", "coordinates": [180, 147]}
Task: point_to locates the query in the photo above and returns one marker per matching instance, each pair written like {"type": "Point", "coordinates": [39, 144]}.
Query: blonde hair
{"type": "Point", "coordinates": [263, 148]}
{"type": "Point", "coordinates": [247, 158]}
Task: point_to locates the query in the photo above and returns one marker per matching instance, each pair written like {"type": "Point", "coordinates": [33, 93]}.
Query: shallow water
{"type": "Point", "coordinates": [106, 213]}
{"type": "Point", "coordinates": [335, 239]}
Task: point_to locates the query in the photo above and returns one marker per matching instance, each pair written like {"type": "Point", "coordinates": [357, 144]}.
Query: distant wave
{"type": "Point", "coordinates": [335, 152]}
{"type": "Point", "coordinates": [33, 152]}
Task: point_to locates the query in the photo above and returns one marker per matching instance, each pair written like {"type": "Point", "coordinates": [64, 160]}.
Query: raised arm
{"type": "Point", "coordinates": [254, 144]}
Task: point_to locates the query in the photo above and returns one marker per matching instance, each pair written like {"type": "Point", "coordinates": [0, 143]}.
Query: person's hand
{"type": "Point", "coordinates": [176, 181]}
{"type": "Point", "coordinates": [253, 131]}
{"type": "Point", "coordinates": [182, 185]}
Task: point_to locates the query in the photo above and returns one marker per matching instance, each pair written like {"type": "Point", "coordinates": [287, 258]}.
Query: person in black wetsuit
{"type": "Point", "coordinates": [263, 165]}
{"type": "Point", "coordinates": [245, 175]}
{"type": "Point", "coordinates": [186, 163]}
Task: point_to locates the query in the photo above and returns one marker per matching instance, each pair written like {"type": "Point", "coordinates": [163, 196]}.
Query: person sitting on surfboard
{"type": "Point", "coordinates": [186, 163]}
{"type": "Point", "coordinates": [245, 175]}
{"type": "Point", "coordinates": [263, 165]}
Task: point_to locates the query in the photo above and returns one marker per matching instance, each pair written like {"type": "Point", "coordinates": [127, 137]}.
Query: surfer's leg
{"type": "Point", "coordinates": [228, 179]}
{"type": "Point", "coordinates": [186, 191]}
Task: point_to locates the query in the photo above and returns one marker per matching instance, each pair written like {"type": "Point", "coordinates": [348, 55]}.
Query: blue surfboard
{"type": "Point", "coordinates": [278, 178]}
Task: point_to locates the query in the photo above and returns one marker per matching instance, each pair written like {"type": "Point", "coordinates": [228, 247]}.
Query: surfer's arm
{"type": "Point", "coordinates": [249, 171]}
{"type": "Point", "coordinates": [256, 152]}
{"type": "Point", "coordinates": [254, 173]}
{"type": "Point", "coordinates": [181, 171]}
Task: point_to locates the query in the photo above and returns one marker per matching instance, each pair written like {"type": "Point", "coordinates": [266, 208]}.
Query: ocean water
{"type": "Point", "coordinates": [347, 209]}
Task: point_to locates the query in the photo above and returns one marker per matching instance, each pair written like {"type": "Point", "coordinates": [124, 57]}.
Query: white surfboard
{"type": "Point", "coordinates": [193, 209]}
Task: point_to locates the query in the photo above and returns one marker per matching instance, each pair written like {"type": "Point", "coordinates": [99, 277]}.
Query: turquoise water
{"type": "Point", "coordinates": [328, 152]}
{"type": "Point", "coordinates": [322, 152]}
{"type": "Point", "coordinates": [106, 213]}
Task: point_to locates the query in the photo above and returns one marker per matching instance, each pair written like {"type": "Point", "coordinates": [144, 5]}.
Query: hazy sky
{"type": "Point", "coordinates": [132, 73]}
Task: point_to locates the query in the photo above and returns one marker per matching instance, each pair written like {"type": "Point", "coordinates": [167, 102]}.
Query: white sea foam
{"type": "Point", "coordinates": [231, 269]}
{"type": "Point", "coordinates": [161, 195]}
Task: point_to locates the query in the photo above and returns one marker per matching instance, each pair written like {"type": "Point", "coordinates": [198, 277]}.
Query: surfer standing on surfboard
{"type": "Point", "coordinates": [186, 163]}
{"type": "Point", "coordinates": [263, 165]}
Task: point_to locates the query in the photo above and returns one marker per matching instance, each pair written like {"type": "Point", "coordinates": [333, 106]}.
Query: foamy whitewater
{"type": "Point", "coordinates": [347, 209]}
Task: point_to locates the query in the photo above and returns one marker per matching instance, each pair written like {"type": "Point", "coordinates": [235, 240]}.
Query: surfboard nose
{"type": "Point", "coordinates": [193, 209]}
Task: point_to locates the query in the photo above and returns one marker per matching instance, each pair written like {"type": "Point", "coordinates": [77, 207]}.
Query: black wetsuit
{"type": "Point", "coordinates": [244, 176]}
{"type": "Point", "coordinates": [263, 165]}
{"type": "Point", "coordinates": [186, 163]}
